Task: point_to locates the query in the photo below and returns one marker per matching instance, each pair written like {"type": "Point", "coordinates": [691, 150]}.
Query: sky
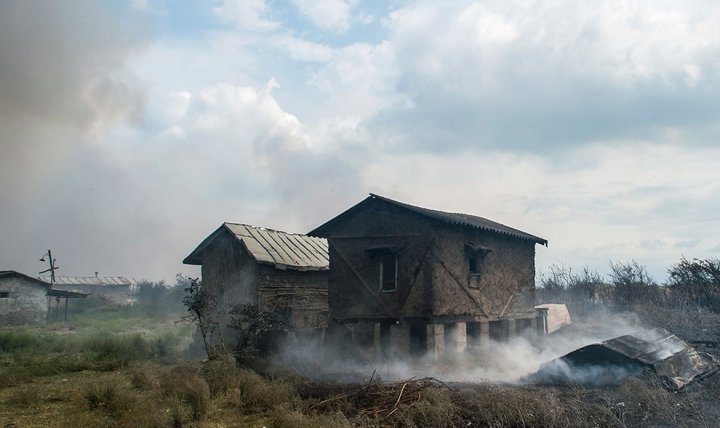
{"type": "Point", "coordinates": [131, 129]}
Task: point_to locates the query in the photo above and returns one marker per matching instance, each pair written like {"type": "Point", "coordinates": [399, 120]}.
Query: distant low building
{"type": "Point", "coordinates": [23, 299]}
{"type": "Point", "coordinates": [276, 270]}
{"type": "Point", "coordinates": [114, 289]}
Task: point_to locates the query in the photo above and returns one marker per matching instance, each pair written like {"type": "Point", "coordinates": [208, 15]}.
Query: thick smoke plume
{"type": "Point", "coordinates": [508, 362]}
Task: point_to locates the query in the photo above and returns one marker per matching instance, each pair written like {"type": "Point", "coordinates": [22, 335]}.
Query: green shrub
{"type": "Point", "coordinates": [13, 342]}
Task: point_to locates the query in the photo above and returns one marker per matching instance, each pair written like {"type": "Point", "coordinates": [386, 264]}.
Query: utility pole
{"type": "Point", "coordinates": [52, 270]}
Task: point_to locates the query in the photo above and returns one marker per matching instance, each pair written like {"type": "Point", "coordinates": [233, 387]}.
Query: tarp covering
{"type": "Point", "coordinates": [675, 362]}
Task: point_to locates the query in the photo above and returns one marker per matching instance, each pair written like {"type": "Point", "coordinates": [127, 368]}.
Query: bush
{"type": "Point", "coordinates": [259, 330]}
{"type": "Point", "coordinates": [633, 284]}
{"type": "Point", "coordinates": [221, 374]}
{"type": "Point", "coordinates": [257, 394]}
{"type": "Point", "coordinates": [115, 351]}
{"type": "Point", "coordinates": [185, 384]}
{"type": "Point", "coordinates": [284, 417]}
{"type": "Point", "coordinates": [24, 396]}
{"type": "Point", "coordinates": [14, 342]}
{"type": "Point", "coordinates": [696, 282]}
{"type": "Point", "coordinates": [496, 406]}
{"type": "Point", "coordinates": [112, 395]}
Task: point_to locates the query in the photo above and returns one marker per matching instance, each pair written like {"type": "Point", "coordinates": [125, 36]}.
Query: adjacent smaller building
{"type": "Point", "coordinates": [27, 300]}
{"type": "Point", "coordinates": [274, 269]}
{"type": "Point", "coordinates": [117, 290]}
{"type": "Point", "coordinates": [23, 299]}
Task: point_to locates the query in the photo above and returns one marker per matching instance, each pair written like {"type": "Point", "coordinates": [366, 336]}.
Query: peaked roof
{"type": "Point", "coordinates": [280, 249]}
{"type": "Point", "coordinates": [16, 274]}
{"type": "Point", "coordinates": [465, 220]}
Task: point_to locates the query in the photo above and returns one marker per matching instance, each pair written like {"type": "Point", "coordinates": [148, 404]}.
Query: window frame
{"type": "Point", "coordinates": [475, 254]}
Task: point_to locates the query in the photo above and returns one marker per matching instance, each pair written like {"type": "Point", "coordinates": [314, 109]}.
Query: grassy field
{"type": "Point", "coordinates": [119, 367]}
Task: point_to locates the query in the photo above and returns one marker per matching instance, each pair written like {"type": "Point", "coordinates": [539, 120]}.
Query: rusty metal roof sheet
{"type": "Point", "coordinates": [281, 249]}
{"type": "Point", "coordinates": [675, 362]}
{"type": "Point", "coordinates": [459, 219]}
{"type": "Point", "coordinates": [91, 280]}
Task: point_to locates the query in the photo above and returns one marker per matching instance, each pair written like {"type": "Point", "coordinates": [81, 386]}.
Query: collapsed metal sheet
{"type": "Point", "coordinates": [674, 361]}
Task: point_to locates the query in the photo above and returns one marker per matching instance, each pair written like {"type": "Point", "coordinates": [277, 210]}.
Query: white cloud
{"type": "Point", "coordinates": [359, 80]}
{"type": "Point", "coordinates": [303, 50]}
{"type": "Point", "coordinates": [622, 203]}
{"type": "Point", "coordinates": [584, 123]}
{"type": "Point", "coordinates": [246, 14]}
{"type": "Point", "coordinates": [330, 15]}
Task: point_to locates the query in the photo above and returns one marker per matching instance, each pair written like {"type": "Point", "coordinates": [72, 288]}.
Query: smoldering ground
{"type": "Point", "coordinates": [511, 361]}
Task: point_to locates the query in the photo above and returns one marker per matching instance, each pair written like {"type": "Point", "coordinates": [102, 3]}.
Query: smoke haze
{"type": "Point", "coordinates": [507, 362]}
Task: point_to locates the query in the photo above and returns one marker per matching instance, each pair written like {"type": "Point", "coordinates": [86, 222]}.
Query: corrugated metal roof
{"type": "Point", "coordinates": [672, 359]}
{"type": "Point", "coordinates": [274, 247]}
{"type": "Point", "coordinates": [445, 217]}
{"type": "Point", "coordinates": [91, 280]}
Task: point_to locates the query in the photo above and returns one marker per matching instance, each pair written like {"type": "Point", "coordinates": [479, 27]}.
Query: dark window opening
{"type": "Point", "coordinates": [388, 272]}
{"type": "Point", "coordinates": [474, 265]}
{"type": "Point", "coordinates": [384, 339]}
{"type": "Point", "coordinates": [4, 294]}
{"type": "Point", "coordinates": [498, 330]}
{"type": "Point", "coordinates": [418, 339]}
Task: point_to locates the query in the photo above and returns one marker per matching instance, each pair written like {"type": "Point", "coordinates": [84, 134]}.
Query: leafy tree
{"type": "Point", "coordinates": [259, 330]}
{"type": "Point", "coordinates": [200, 304]}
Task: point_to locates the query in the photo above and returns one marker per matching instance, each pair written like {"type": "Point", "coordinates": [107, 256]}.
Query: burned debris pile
{"type": "Point", "coordinates": [656, 351]}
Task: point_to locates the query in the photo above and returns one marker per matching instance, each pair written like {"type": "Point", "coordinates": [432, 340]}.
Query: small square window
{"type": "Point", "coordinates": [4, 294]}
{"type": "Point", "coordinates": [388, 272]}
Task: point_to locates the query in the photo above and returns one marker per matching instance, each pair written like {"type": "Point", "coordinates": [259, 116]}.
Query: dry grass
{"type": "Point", "coordinates": [120, 383]}
{"type": "Point", "coordinates": [185, 384]}
{"type": "Point", "coordinates": [154, 395]}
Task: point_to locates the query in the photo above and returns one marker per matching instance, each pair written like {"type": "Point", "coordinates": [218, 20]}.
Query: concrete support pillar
{"type": "Point", "coordinates": [399, 340]}
{"type": "Point", "coordinates": [435, 340]}
{"type": "Point", "coordinates": [376, 347]}
{"type": "Point", "coordinates": [362, 334]}
{"type": "Point", "coordinates": [511, 329]}
{"type": "Point", "coordinates": [484, 334]}
{"type": "Point", "coordinates": [457, 337]}
{"type": "Point", "coordinates": [533, 327]}
{"type": "Point", "coordinates": [542, 323]}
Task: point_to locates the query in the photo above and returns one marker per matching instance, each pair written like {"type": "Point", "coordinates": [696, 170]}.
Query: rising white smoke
{"type": "Point", "coordinates": [508, 362]}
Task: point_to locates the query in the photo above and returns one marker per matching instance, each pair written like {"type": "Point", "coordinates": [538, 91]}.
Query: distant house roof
{"type": "Point", "coordinates": [91, 280]}
{"type": "Point", "coordinates": [44, 284]}
{"type": "Point", "coordinates": [280, 249]}
{"type": "Point", "coordinates": [459, 219]}
{"type": "Point", "coordinates": [12, 273]}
